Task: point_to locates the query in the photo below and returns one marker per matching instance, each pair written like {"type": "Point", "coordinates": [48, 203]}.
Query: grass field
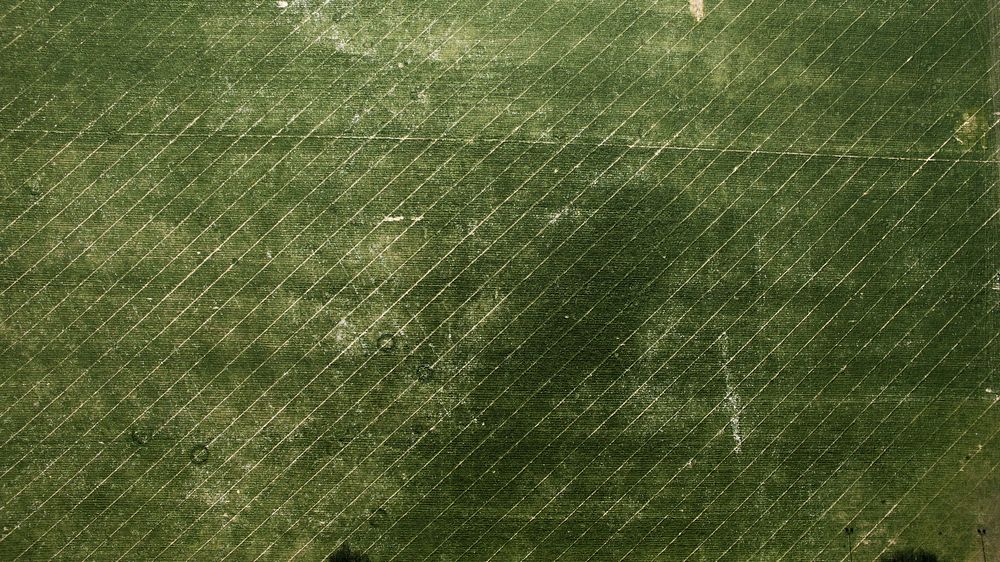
{"type": "Point", "coordinates": [499, 279]}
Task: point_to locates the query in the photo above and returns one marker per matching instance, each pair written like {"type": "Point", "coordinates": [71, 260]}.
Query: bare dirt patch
{"type": "Point", "coordinates": [697, 9]}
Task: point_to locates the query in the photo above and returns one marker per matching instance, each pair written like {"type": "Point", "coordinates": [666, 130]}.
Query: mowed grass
{"type": "Point", "coordinates": [502, 280]}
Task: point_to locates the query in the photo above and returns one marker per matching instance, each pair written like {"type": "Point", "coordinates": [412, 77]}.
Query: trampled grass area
{"type": "Point", "coordinates": [498, 280]}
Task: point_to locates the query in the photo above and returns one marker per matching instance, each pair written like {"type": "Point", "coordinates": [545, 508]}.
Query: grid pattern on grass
{"type": "Point", "coordinates": [498, 279]}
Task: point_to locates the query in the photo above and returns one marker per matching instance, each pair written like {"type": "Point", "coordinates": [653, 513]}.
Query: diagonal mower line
{"type": "Point", "coordinates": [970, 88]}
{"type": "Point", "coordinates": [941, 488]}
{"type": "Point", "coordinates": [806, 501]}
{"type": "Point", "coordinates": [64, 420]}
{"type": "Point", "coordinates": [462, 338]}
{"type": "Point", "coordinates": [600, 396]}
{"type": "Point", "coordinates": [810, 496]}
{"type": "Point", "coordinates": [18, 5]}
{"type": "Point", "coordinates": [629, 458]}
{"type": "Point", "coordinates": [192, 181]}
{"type": "Point", "coordinates": [913, 486]}
{"type": "Point", "coordinates": [174, 138]}
{"type": "Point", "coordinates": [116, 251]}
{"type": "Point", "coordinates": [95, 63]}
{"type": "Point", "coordinates": [805, 439]}
{"type": "Point", "coordinates": [790, 392]}
{"type": "Point", "coordinates": [36, 22]}
{"type": "Point", "coordinates": [582, 470]}
{"type": "Point", "coordinates": [759, 331]}
{"type": "Point", "coordinates": [647, 503]}
{"type": "Point", "coordinates": [272, 385]}
{"type": "Point", "coordinates": [66, 237]}
{"type": "Point", "coordinates": [78, 135]}
{"type": "Point", "coordinates": [10, 132]}
{"type": "Point", "coordinates": [915, 483]}
{"type": "Point", "coordinates": [231, 86]}
{"type": "Point", "coordinates": [874, 399]}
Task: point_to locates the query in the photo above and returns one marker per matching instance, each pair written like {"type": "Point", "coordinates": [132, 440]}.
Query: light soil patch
{"type": "Point", "coordinates": [697, 9]}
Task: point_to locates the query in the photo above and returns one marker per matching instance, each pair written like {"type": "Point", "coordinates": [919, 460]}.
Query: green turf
{"type": "Point", "coordinates": [498, 280]}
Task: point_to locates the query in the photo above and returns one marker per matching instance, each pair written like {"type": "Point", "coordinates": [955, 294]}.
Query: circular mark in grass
{"type": "Point", "coordinates": [386, 343]}
{"type": "Point", "coordinates": [199, 454]}
{"type": "Point", "coordinates": [139, 436]}
{"type": "Point", "coordinates": [425, 372]}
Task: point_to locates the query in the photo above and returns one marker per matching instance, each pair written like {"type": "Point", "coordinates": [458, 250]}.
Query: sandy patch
{"type": "Point", "coordinates": [697, 9]}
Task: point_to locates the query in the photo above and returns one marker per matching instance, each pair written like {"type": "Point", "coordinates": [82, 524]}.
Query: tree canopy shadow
{"type": "Point", "coordinates": [345, 554]}
{"type": "Point", "coordinates": [910, 554]}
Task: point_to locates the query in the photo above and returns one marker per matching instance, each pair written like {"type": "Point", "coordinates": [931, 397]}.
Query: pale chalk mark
{"type": "Point", "coordinates": [697, 9]}
{"type": "Point", "coordinates": [400, 218]}
{"type": "Point", "coordinates": [732, 397]}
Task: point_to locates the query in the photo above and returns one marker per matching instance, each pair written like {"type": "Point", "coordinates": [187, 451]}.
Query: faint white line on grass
{"type": "Point", "coordinates": [190, 183]}
{"type": "Point", "coordinates": [33, 86]}
{"type": "Point", "coordinates": [823, 514]}
{"type": "Point", "coordinates": [463, 239]}
{"type": "Point", "coordinates": [80, 133]}
{"type": "Point", "coordinates": [734, 170]}
{"type": "Point", "coordinates": [538, 142]}
{"type": "Point", "coordinates": [732, 395]}
{"type": "Point", "coordinates": [773, 316]}
{"type": "Point", "coordinates": [940, 488]}
{"type": "Point", "coordinates": [853, 397]}
{"type": "Point", "coordinates": [625, 462]}
{"type": "Point", "coordinates": [265, 391]}
{"type": "Point", "coordinates": [867, 403]}
{"type": "Point", "coordinates": [173, 138]}
{"type": "Point", "coordinates": [136, 262]}
{"type": "Point", "coordinates": [60, 30]}
{"type": "Point", "coordinates": [810, 340]}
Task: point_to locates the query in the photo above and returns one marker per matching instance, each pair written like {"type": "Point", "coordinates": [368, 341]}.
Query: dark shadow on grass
{"type": "Point", "coordinates": [345, 554]}
{"type": "Point", "coordinates": [910, 554]}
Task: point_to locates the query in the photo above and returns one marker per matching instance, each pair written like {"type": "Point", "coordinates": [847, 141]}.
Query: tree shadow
{"type": "Point", "coordinates": [910, 554]}
{"type": "Point", "coordinates": [345, 554]}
